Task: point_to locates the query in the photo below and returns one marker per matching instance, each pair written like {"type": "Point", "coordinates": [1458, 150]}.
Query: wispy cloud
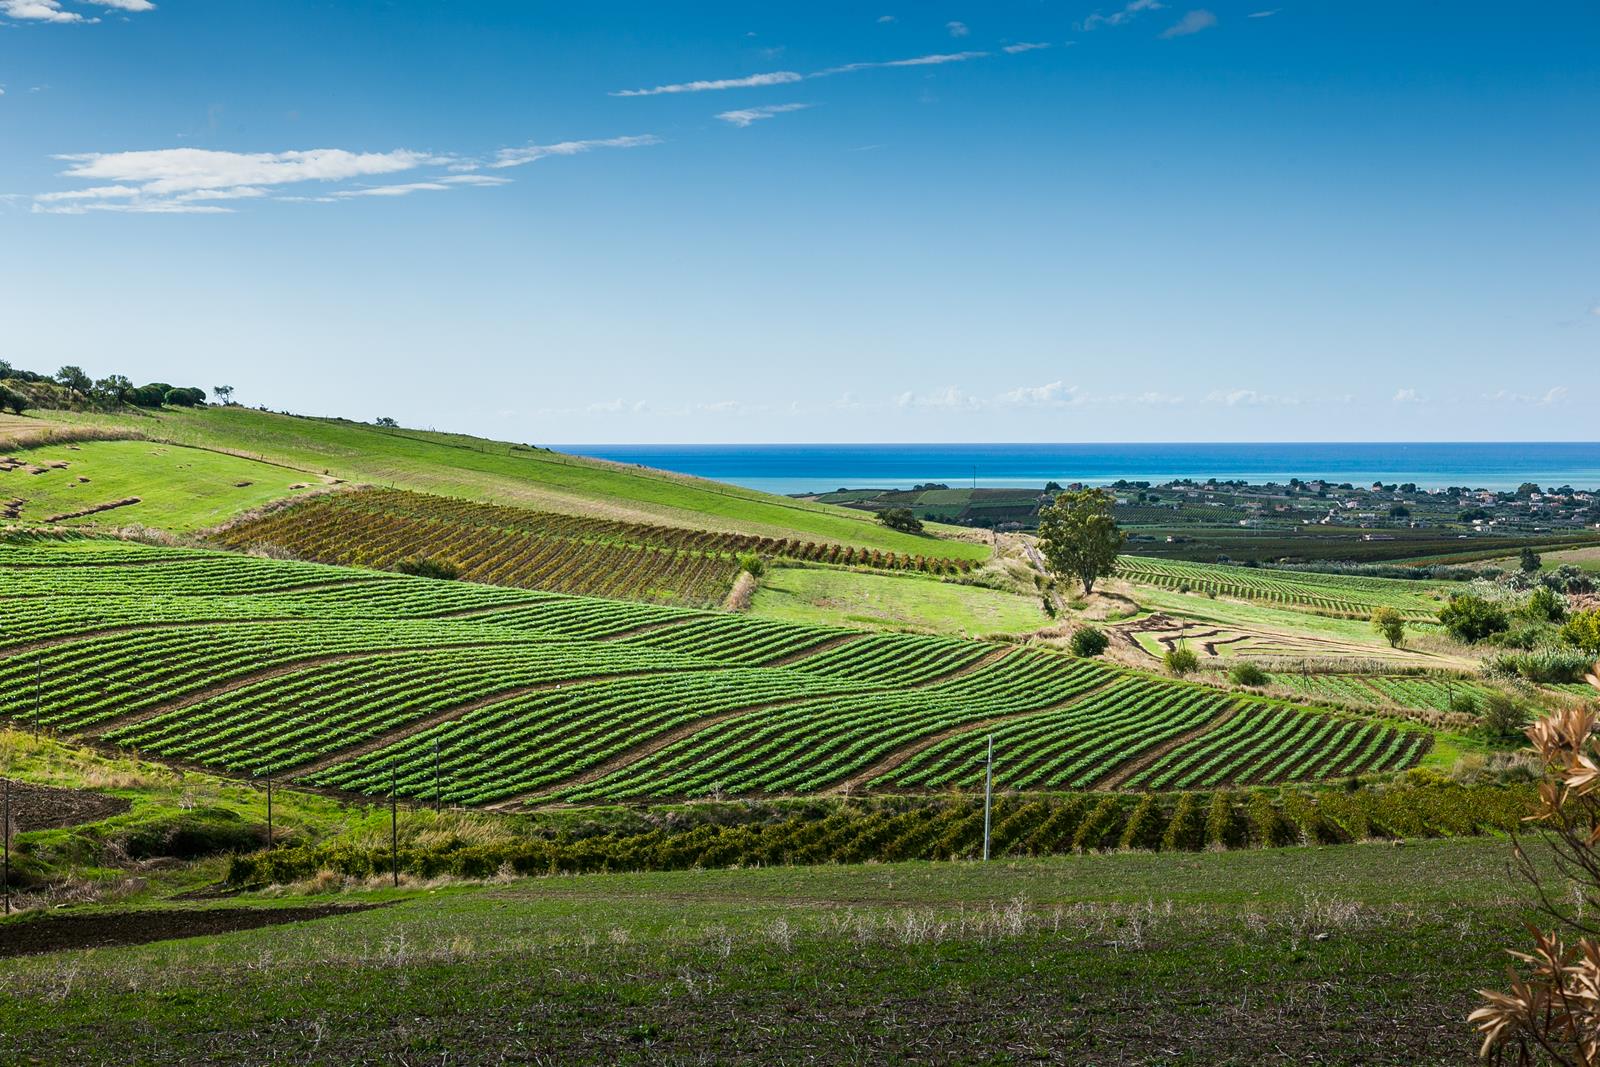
{"type": "Point", "coordinates": [1126, 14]}
{"type": "Point", "coordinates": [746, 116]}
{"type": "Point", "coordinates": [934, 60]}
{"type": "Point", "coordinates": [196, 181]}
{"type": "Point", "coordinates": [752, 81]}
{"type": "Point", "coordinates": [788, 77]}
{"type": "Point", "coordinates": [1263, 14]}
{"type": "Point", "coordinates": [126, 5]}
{"type": "Point", "coordinates": [1024, 46]}
{"type": "Point", "coordinates": [517, 157]}
{"type": "Point", "coordinates": [1408, 396]}
{"type": "Point", "coordinates": [1549, 398]}
{"type": "Point", "coordinates": [957, 29]}
{"type": "Point", "coordinates": [1192, 23]}
{"type": "Point", "coordinates": [1234, 398]}
{"type": "Point", "coordinates": [884, 20]}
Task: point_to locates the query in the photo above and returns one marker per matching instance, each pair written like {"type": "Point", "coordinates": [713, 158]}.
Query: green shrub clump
{"type": "Point", "coordinates": [428, 568]}
{"type": "Point", "coordinates": [1089, 641]}
{"type": "Point", "coordinates": [1248, 674]}
{"type": "Point", "coordinates": [1181, 661]}
{"type": "Point", "coordinates": [1472, 618]}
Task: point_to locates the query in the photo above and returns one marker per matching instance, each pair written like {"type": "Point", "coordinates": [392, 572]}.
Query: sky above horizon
{"type": "Point", "coordinates": [620, 222]}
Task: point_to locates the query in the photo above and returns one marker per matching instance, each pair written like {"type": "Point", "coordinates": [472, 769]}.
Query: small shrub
{"type": "Point", "coordinates": [1545, 605]}
{"type": "Point", "coordinates": [1472, 618]}
{"type": "Point", "coordinates": [428, 568]}
{"type": "Point", "coordinates": [1582, 631]}
{"type": "Point", "coordinates": [1181, 661]}
{"type": "Point", "coordinates": [1248, 674]}
{"type": "Point", "coordinates": [1089, 641]}
{"type": "Point", "coordinates": [1225, 827]}
{"type": "Point", "coordinates": [1145, 825]}
{"type": "Point", "coordinates": [752, 564]}
{"type": "Point", "coordinates": [1503, 719]}
{"type": "Point", "coordinates": [1187, 830]}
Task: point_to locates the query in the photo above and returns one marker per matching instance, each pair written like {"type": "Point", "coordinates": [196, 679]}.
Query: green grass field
{"type": "Point", "coordinates": [505, 473]}
{"type": "Point", "coordinates": [1351, 954]}
{"type": "Point", "coordinates": [181, 489]}
{"type": "Point", "coordinates": [820, 596]}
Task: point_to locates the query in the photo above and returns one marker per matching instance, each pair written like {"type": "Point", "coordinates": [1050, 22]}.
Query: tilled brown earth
{"type": "Point", "coordinates": [61, 933]}
{"type": "Point", "coordinates": [43, 807]}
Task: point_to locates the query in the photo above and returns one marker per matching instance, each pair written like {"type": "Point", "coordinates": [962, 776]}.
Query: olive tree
{"type": "Point", "coordinates": [1079, 537]}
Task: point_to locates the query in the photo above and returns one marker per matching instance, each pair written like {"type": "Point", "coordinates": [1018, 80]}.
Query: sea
{"type": "Point", "coordinates": [804, 469]}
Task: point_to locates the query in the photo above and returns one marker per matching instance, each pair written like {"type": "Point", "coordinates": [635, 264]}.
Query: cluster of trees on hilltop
{"type": "Point", "coordinates": [71, 387]}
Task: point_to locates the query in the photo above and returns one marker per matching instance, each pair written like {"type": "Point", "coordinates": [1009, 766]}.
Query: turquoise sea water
{"type": "Point", "coordinates": [820, 468]}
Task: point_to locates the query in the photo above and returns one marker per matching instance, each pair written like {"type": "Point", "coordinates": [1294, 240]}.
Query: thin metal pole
{"type": "Point", "coordinates": [988, 795]}
{"type": "Point", "coordinates": [436, 804]}
{"type": "Point", "coordinates": [269, 805]}
{"type": "Point", "coordinates": [8, 845]}
{"type": "Point", "coordinates": [394, 830]}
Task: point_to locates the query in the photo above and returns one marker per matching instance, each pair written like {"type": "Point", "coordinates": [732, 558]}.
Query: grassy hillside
{"type": "Point", "coordinates": [502, 473]}
{"type": "Point", "coordinates": [126, 482]}
{"type": "Point", "coordinates": [818, 595]}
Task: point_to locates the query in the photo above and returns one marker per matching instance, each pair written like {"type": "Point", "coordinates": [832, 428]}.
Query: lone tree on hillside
{"type": "Point", "coordinates": [76, 382]}
{"type": "Point", "coordinates": [1391, 624]}
{"type": "Point", "coordinates": [902, 519]}
{"type": "Point", "coordinates": [1079, 537]}
{"type": "Point", "coordinates": [1529, 561]}
{"type": "Point", "coordinates": [224, 393]}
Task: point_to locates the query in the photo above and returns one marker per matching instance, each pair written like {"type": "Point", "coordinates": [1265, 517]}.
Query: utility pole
{"type": "Point", "coordinates": [394, 830]}
{"type": "Point", "coordinates": [269, 805]}
{"type": "Point", "coordinates": [437, 806]}
{"type": "Point", "coordinates": [988, 795]}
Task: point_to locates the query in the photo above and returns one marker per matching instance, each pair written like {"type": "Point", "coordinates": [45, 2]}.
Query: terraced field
{"type": "Point", "coordinates": [485, 695]}
{"type": "Point", "coordinates": [535, 549]}
{"type": "Point", "coordinates": [1340, 596]}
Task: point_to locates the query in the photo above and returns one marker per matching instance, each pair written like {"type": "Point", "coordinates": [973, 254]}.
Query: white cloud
{"type": "Point", "coordinates": [745, 116]}
{"type": "Point", "coordinates": [1263, 14]}
{"type": "Point", "coordinates": [1234, 398]}
{"type": "Point", "coordinates": [38, 11]}
{"type": "Point", "coordinates": [957, 29]}
{"type": "Point", "coordinates": [949, 399]}
{"type": "Point", "coordinates": [176, 170]}
{"type": "Point", "coordinates": [937, 59]}
{"type": "Point", "coordinates": [1549, 398]}
{"type": "Point", "coordinates": [1595, 310]}
{"type": "Point", "coordinates": [126, 5]}
{"type": "Point", "coordinates": [179, 179]}
{"type": "Point", "coordinates": [753, 81]}
{"type": "Point", "coordinates": [1192, 23]}
{"type": "Point", "coordinates": [884, 20]}
{"type": "Point", "coordinates": [1024, 46]}
{"type": "Point", "coordinates": [1117, 18]}
{"type": "Point", "coordinates": [1408, 396]}
{"type": "Point", "coordinates": [1056, 392]}
{"type": "Point", "coordinates": [516, 157]}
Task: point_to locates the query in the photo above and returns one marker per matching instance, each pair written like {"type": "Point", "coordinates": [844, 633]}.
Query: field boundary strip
{"type": "Point", "coordinates": [45, 643]}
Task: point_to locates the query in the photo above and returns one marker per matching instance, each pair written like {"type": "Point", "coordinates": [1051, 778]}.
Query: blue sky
{"type": "Point", "coordinates": [631, 222]}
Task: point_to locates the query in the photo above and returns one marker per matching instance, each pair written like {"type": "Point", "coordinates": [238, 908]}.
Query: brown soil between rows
{"type": "Point", "coordinates": [61, 933]}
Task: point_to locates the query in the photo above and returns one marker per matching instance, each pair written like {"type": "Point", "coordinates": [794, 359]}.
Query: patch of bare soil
{"type": "Point", "coordinates": [62, 933]}
{"type": "Point", "coordinates": [43, 807]}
